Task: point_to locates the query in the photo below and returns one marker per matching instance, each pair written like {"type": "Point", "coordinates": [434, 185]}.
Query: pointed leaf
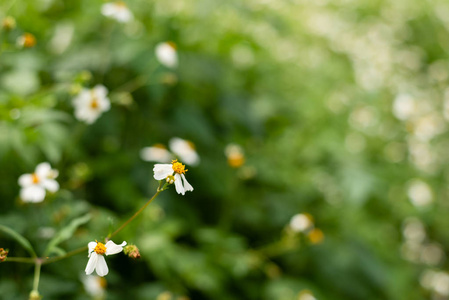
{"type": "Point", "coordinates": [19, 238]}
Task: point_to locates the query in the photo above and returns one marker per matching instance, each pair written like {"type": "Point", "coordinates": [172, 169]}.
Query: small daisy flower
{"type": "Point", "coordinates": [96, 259]}
{"type": "Point", "coordinates": [185, 150]}
{"type": "Point", "coordinates": [157, 153]}
{"type": "Point", "coordinates": [118, 11]}
{"type": "Point", "coordinates": [90, 104]}
{"type": "Point", "coordinates": [34, 185]}
{"type": "Point", "coordinates": [166, 171]}
{"type": "Point", "coordinates": [166, 54]}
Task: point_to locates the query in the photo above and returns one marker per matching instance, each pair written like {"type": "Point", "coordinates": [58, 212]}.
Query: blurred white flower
{"type": "Point", "coordinates": [164, 171]}
{"type": "Point", "coordinates": [234, 154]}
{"type": "Point", "coordinates": [166, 54]}
{"type": "Point", "coordinates": [96, 259]}
{"type": "Point", "coordinates": [413, 230]}
{"type": "Point", "coordinates": [94, 286]}
{"type": "Point", "coordinates": [301, 222]}
{"type": "Point", "coordinates": [436, 281]}
{"type": "Point", "coordinates": [419, 193]}
{"type": "Point", "coordinates": [185, 150]}
{"type": "Point", "coordinates": [90, 104]}
{"type": "Point", "coordinates": [117, 10]}
{"type": "Point", "coordinates": [404, 107]}
{"type": "Point", "coordinates": [34, 185]}
{"type": "Point", "coordinates": [428, 126]}
{"type": "Point", "coordinates": [156, 153]}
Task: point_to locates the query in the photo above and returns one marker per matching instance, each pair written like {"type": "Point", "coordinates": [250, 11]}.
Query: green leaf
{"type": "Point", "coordinates": [66, 233]}
{"type": "Point", "coordinates": [19, 238]}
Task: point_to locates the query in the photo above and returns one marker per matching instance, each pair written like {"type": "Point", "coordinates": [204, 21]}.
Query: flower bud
{"type": "Point", "coordinates": [34, 295]}
{"type": "Point", "coordinates": [3, 254]}
{"type": "Point", "coordinates": [9, 23]}
{"type": "Point", "coordinates": [132, 251]}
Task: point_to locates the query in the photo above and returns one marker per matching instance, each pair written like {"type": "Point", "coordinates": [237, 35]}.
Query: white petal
{"type": "Point", "coordinates": [43, 169]}
{"type": "Point", "coordinates": [100, 91]}
{"type": "Point", "coordinates": [166, 55]}
{"type": "Point", "coordinates": [51, 185]}
{"type": "Point", "coordinates": [25, 180]}
{"type": "Point", "coordinates": [108, 9]}
{"type": "Point", "coordinates": [161, 171]}
{"type": "Point", "coordinates": [92, 263]}
{"type": "Point", "coordinates": [187, 186]}
{"type": "Point", "coordinates": [156, 154]}
{"type": "Point", "coordinates": [178, 185]}
{"type": "Point", "coordinates": [104, 104]}
{"type": "Point", "coordinates": [91, 247]}
{"type": "Point", "coordinates": [124, 15]}
{"type": "Point", "coordinates": [113, 248]}
{"type": "Point", "coordinates": [101, 267]}
{"type": "Point", "coordinates": [184, 150]}
{"type": "Point", "coordinates": [33, 193]}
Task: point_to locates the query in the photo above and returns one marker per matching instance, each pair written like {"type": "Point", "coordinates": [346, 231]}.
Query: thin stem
{"type": "Point", "coordinates": [159, 189]}
{"type": "Point", "coordinates": [27, 260]}
{"type": "Point", "coordinates": [37, 274]}
{"type": "Point", "coordinates": [68, 254]}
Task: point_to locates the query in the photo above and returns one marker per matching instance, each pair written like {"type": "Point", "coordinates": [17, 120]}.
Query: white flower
{"type": "Point", "coordinates": [156, 153]}
{"type": "Point", "coordinates": [94, 285]}
{"type": "Point", "coordinates": [34, 185]}
{"type": "Point", "coordinates": [96, 259]}
{"type": "Point", "coordinates": [419, 193]}
{"type": "Point", "coordinates": [164, 171]}
{"type": "Point", "coordinates": [90, 104]}
{"type": "Point", "coordinates": [185, 150]}
{"type": "Point", "coordinates": [117, 10]}
{"type": "Point", "coordinates": [166, 54]}
{"type": "Point", "coordinates": [301, 222]}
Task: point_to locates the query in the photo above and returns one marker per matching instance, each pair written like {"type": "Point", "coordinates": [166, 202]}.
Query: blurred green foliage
{"type": "Point", "coordinates": [314, 93]}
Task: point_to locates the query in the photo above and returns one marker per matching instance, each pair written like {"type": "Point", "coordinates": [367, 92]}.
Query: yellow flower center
{"type": "Point", "coordinates": [34, 178]}
{"type": "Point", "coordinates": [100, 248]}
{"type": "Point", "coordinates": [94, 103]}
{"type": "Point", "coordinates": [178, 167]}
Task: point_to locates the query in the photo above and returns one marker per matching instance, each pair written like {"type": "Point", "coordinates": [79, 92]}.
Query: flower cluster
{"type": "Point", "coordinates": [34, 185]}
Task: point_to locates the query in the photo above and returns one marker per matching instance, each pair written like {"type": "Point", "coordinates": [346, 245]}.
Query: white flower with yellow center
{"type": "Point", "coordinates": [157, 153]}
{"type": "Point", "coordinates": [90, 104]}
{"type": "Point", "coordinates": [185, 150]}
{"type": "Point", "coordinates": [96, 256]}
{"type": "Point", "coordinates": [166, 54]}
{"type": "Point", "coordinates": [34, 185]}
{"type": "Point", "coordinates": [117, 10]}
{"type": "Point", "coordinates": [166, 171]}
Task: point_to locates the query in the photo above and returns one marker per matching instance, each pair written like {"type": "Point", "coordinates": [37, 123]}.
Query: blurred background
{"type": "Point", "coordinates": [321, 129]}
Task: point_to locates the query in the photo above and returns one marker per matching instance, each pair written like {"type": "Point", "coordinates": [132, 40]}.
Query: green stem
{"type": "Point", "coordinates": [27, 260]}
{"type": "Point", "coordinates": [68, 254]}
{"type": "Point", "coordinates": [159, 189]}
{"type": "Point", "coordinates": [37, 275]}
